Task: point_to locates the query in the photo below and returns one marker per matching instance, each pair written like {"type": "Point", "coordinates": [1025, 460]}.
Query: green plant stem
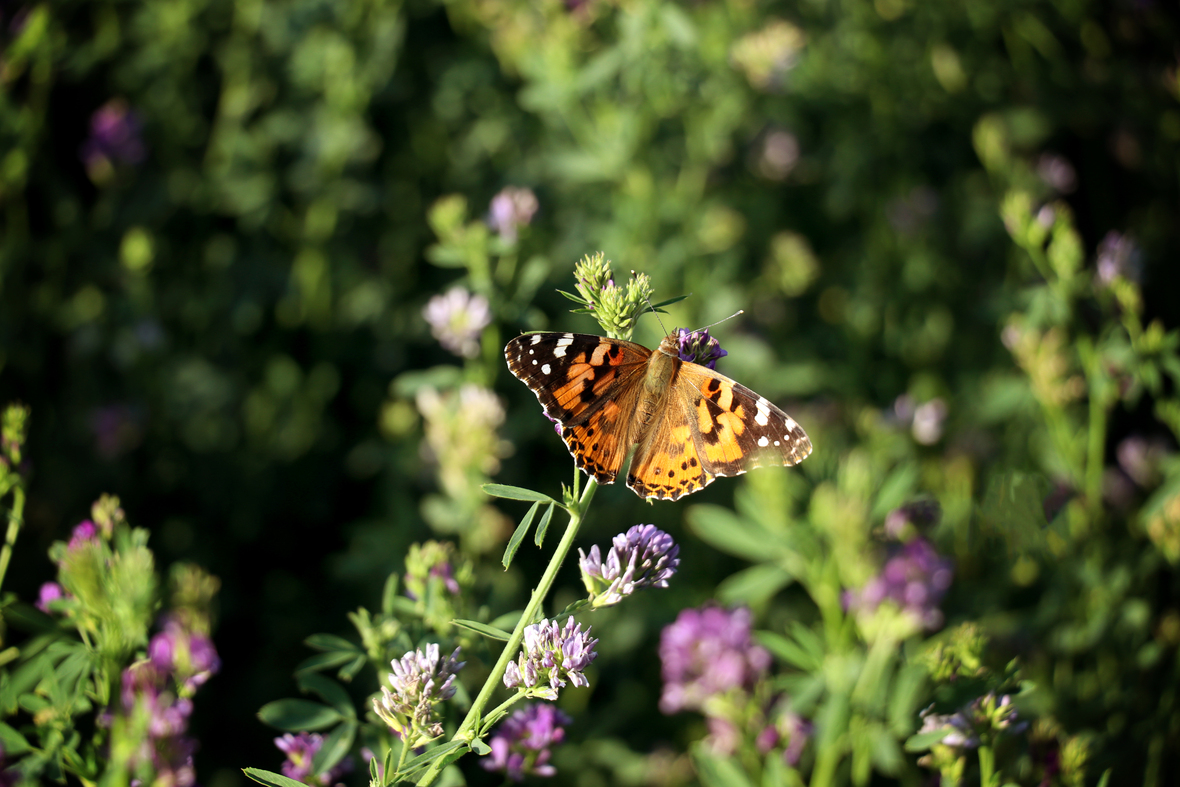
{"type": "Point", "coordinates": [467, 729]}
{"type": "Point", "coordinates": [987, 766]}
{"type": "Point", "coordinates": [15, 519]}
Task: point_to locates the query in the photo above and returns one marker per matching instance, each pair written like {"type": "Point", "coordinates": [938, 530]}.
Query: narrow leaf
{"type": "Point", "coordinates": [522, 530]}
{"type": "Point", "coordinates": [334, 748]}
{"type": "Point", "coordinates": [669, 302]}
{"type": "Point", "coordinates": [507, 621]}
{"type": "Point", "coordinates": [321, 661]}
{"type": "Point", "coordinates": [270, 778]}
{"type": "Point", "coordinates": [330, 642]}
{"type": "Point", "coordinates": [329, 691]}
{"type": "Point", "coordinates": [458, 748]}
{"type": "Point", "coordinates": [515, 493]}
{"type": "Point", "coordinates": [298, 715]}
{"type": "Point", "coordinates": [14, 743]}
{"type": "Point", "coordinates": [543, 525]}
{"type": "Point", "coordinates": [924, 740]}
{"type": "Point", "coordinates": [717, 771]}
{"type": "Point", "coordinates": [787, 650]}
{"type": "Point", "coordinates": [753, 585]}
{"type": "Point", "coordinates": [483, 628]}
{"type": "Point", "coordinates": [349, 672]}
{"type": "Point", "coordinates": [572, 297]}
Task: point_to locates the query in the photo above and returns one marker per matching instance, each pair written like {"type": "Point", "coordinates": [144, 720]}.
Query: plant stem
{"type": "Point", "coordinates": [467, 730]}
{"type": "Point", "coordinates": [15, 520]}
{"type": "Point", "coordinates": [987, 766]}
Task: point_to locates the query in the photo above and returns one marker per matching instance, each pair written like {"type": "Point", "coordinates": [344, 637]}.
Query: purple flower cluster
{"type": "Point", "coordinates": [551, 656]}
{"type": "Point", "coordinates": [510, 210]}
{"type": "Point", "coordinates": [116, 137]}
{"type": "Point", "coordinates": [521, 745]}
{"type": "Point", "coordinates": [180, 660]}
{"type": "Point", "coordinates": [457, 320]}
{"type": "Point", "coordinates": [420, 680]}
{"type": "Point", "coordinates": [699, 347]}
{"type": "Point", "coordinates": [644, 556]}
{"type": "Point", "coordinates": [914, 578]}
{"type": "Point", "coordinates": [1118, 258]}
{"type": "Point", "coordinates": [185, 653]}
{"type": "Point", "coordinates": [985, 716]}
{"type": "Point", "coordinates": [301, 750]}
{"type": "Point", "coordinates": [708, 652]}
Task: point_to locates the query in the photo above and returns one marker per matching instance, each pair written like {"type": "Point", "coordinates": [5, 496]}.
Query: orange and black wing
{"type": "Point", "coordinates": [590, 386]}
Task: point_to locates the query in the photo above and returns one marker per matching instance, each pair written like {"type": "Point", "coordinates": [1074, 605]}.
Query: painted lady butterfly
{"type": "Point", "coordinates": [691, 424]}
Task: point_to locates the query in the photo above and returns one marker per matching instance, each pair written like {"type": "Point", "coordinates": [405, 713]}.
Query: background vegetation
{"type": "Point", "coordinates": [953, 227]}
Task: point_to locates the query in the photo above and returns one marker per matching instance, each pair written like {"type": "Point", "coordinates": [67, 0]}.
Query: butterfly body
{"type": "Point", "coordinates": [689, 423]}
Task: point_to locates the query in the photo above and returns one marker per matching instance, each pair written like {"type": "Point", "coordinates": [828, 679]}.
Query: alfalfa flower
{"type": "Point", "coordinates": [420, 681]}
{"type": "Point", "coordinates": [644, 556]}
{"type": "Point", "coordinates": [521, 745]}
{"type": "Point", "coordinates": [116, 137]}
{"type": "Point", "coordinates": [301, 750]}
{"type": "Point", "coordinates": [457, 320]}
{"type": "Point", "coordinates": [915, 578]}
{"type": "Point", "coordinates": [512, 208]}
{"type": "Point", "coordinates": [706, 653]}
{"type": "Point", "coordinates": [551, 656]}
{"type": "Point", "coordinates": [699, 347]}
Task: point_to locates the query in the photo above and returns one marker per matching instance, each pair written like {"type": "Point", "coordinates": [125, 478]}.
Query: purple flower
{"type": "Point", "coordinates": [84, 533]}
{"type": "Point", "coordinates": [301, 750]}
{"type": "Point", "coordinates": [700, 347]}
{"type": "Point", "coordinates": [188, 655]}
{"type": "Point", "coordinates": [420, 680]}
{"type": "Point", "coordinates": [1118, 258]}
{"type": "Point", "coordinates": [987, 716]}
{"type": "Point", "coordinates": [511, 209]}
{"type": "Point", "coordinates": [115, 137]}
{"type": "Point", "coordinates": [912, 518]}
{"type": "Point", "coordinates": [457, 320]}
{"type": "Point", "coordinates": [50, 591]}
{"type": "Point", "coordinates": [915, 578]}
{"type": "Point", "coordinates": [520, 746]}
{"type": "Point", "coordinates": [1057, 173]}
{"type": "Point", "coordinates": [708, 652]}
{"type": "Point", "coordinates": [551, 656]}
{"type": "Point", "coordinates": [644, 556]}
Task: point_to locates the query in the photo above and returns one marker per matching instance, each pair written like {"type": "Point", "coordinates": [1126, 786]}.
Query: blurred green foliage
{"type": "Point", "coordinates": [221, 222]}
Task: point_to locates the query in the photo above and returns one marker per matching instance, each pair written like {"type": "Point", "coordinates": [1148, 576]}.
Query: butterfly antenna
{"type": "Point", "coordinates": [653, 309]}
{"type": "Point", "coordinates": [724, 319]}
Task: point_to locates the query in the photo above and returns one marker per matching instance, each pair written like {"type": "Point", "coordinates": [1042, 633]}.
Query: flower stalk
{"type": "Point", "coordinates": [473, 725]}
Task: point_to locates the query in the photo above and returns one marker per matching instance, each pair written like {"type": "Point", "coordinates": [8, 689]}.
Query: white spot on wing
{"type": "Point", "coordinates": [536, 339]}
{"type": "Point", "coordinates": [545, 369]}
{"type": "Point", "coordinates": [763, 407]}
{"type": "Point", "coordinates": [562, 343]}
{"type": "Point", "coordinates": [762, 441]}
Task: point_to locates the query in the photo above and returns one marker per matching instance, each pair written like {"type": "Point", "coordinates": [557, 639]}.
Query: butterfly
{"type": "Point", "coordinates": [690, 423]}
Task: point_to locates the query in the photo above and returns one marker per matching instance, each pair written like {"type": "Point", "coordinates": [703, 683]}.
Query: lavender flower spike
{"type": "Point", "coordinates": [644, 556]}
{"type": "Point", "coordinates": [520, 746]}
{"type": "Point", "coordinates": [552, 655]}
{"type": "Point", "coordinates": [420, 681]}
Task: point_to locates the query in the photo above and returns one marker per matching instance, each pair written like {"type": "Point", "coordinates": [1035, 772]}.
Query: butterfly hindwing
{"type": "Point", "coordinates": [736, 429]}
{"type": "Point", "coordinates": [667, 464]}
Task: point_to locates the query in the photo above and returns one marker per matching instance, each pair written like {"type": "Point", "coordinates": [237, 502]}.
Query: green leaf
{"type": "Point", "coordinates": [389, 593]}
{"type": "Point", "coordinates": [298, 715]}
{"type": "Point", "coordinates": [334, 748]}
{"type": "Point", "coordinates": [480, 748]}
{"type": "Point", "coordinates": [522, 530]}
{"type": "Point", "coordinates": [924, 740]}
{"type": "Point", "coordinates": [331, 642]}
{"type": "Point", "coordinates": [516, 493]}
{"type": "Point", "coordinates": [270, 778]}
{"type": "Point", "coordinates": [322, 661]}
{"type": "Point", "coordinates": [721, 528]}
{"type": "Point", "coordinates": [14, 743]}
{"type": "Point", "coordinates": [716, 771]}
{"type": "Point", "coordinates": [457, 748]}
{"type": "Point", "coordinates": [483, 628]}
{"type": "Point", "coordinates": [507, 621]}
{"type": "Point", "coordinates": [754, 585]}
{"type": "Point", "coordinates": [329, 691]}
{"type": "Point", "coordinates": [572, 297]}
{"type": "Point", "coordinates": [789, 651]}
{"type": "Point", "coordinates": [543, 525]}
{"type": "Point", "coordinates": [349, 672]}
{"type": "Point", "coordinates": [669, 302]}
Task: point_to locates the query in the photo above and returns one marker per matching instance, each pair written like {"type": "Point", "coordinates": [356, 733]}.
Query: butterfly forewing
{"type": "Point", "coordinates": [589, 385]}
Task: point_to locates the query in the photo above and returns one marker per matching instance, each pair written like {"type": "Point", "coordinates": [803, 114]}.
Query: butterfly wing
{"type": "Point", "coordinates": [735, 429]}
{"type": "Point", "coordinates": [590, 385]}
{"type": "Point", "coordinates": [667, 464]}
